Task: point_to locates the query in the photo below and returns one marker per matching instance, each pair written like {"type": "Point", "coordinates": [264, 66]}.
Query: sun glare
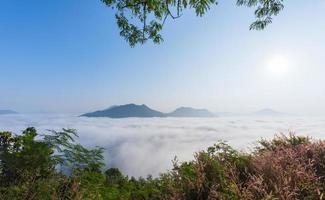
{"type": "Point", "coordinates": [278, 65]}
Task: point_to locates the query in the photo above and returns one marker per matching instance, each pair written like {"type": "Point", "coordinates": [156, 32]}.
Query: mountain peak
{"type": "Point", "coordinates": [190, 112]}
{"type": "Point", "coordinates": [268, 111]}
{"type": "Point", "coordinates": [134, 110]}
{"type": "Point", "coordinates": [124, 111]}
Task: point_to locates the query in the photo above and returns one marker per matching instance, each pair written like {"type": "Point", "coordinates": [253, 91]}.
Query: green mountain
{"type": "Point", "coordinates": [133, 110]}
{"type": "Point", "coordinates": [124, 111]}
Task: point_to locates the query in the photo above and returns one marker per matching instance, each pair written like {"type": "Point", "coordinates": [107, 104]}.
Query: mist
{"type": "Point", "coordinates": [139, 147]}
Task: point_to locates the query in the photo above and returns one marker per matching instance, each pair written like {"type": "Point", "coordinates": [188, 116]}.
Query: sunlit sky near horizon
{"type": "Point", "coordinates": [67, 56]}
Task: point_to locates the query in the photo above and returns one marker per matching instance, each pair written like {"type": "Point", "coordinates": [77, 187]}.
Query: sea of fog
{"type": "Point", "coordinates": [142, 146]}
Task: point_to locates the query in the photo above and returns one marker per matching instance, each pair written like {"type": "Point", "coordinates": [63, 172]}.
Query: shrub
{"type": "Point", "coordinates": [28, 163]}
{"type": "Point", "coordinates": [287, 167]}
{"type": "Point", "coordinates": [34, 166]}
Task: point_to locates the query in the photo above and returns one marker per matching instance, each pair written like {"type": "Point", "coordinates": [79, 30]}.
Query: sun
{"type": "Point", "coordinates": [278, 65]}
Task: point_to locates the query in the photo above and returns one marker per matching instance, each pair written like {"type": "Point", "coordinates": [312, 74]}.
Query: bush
{"type": "Point", "coordinates": [35, 166]}
{"type": "Point", "coordinates": [28, 163]}
{"type": "Point", "coordinates": [287, 167]}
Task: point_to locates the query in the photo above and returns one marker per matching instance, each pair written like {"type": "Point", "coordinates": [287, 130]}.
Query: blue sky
{"type": "Point", "coordinates": [67, 56]}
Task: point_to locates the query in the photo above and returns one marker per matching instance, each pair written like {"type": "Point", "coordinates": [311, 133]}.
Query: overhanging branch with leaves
{"type": "Point", "coordinates": [143, 20]}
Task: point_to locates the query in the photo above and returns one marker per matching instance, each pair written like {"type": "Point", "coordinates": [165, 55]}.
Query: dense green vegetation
{"type": "Point", "coordinates": [142, 20]}
{"type": "Point", "coordinates": [54, 166]}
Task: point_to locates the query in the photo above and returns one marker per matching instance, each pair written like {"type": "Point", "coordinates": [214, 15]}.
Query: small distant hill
{"type": "Point", "coordinates": [6, 112]}
{"type": "Point", "coordinates": [190, 112]}
{"type": "Point", "coordinates": [124, 111]}
{"type": "Point", "coordinates": [268, 112]}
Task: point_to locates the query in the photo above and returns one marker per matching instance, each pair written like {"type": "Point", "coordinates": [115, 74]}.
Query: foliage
{"type": "Point", "coordinates": [142, 20]}
{"type": "Point", "coordinates": [285, 168]}
{"type": "Point", "coordinates": [28, 162]}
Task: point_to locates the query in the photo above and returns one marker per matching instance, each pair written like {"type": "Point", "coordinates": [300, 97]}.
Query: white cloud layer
{"type": "Point", "coordinates": [146, 146]}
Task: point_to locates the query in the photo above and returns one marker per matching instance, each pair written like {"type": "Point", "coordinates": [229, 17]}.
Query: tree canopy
{"type": "Point", "coordinates": [143, 20]}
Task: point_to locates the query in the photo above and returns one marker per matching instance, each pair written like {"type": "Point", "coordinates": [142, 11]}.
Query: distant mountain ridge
{"type": "Point", "coordinates": [268, 112]}
{"type": "Point", "coordinates": [133, 110]}
{"type": "Point", "coordinates": [6, 112]}
{"type": "Point", "coordinates": [123, 111]}
{"type": "Point", "coordinates": [190, 112]}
